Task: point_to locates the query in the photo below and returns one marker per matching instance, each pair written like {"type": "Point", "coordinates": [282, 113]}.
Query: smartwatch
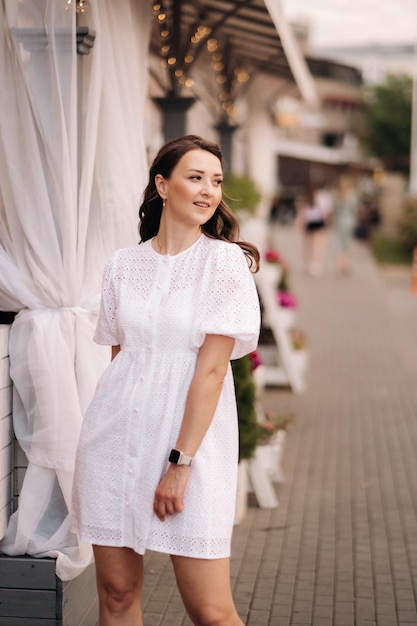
{"type": "Point", "coordinates": [179, 458]}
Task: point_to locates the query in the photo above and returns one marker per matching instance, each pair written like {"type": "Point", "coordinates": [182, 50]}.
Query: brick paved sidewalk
{"type": "Point", "coordinates": [341, 549]}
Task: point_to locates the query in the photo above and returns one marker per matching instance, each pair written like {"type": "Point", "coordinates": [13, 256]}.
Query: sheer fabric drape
{"type": "Point", "coordinates": [72, 170]}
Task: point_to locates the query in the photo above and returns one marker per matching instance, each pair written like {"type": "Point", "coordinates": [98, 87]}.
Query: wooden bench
{"type": "Point", "coordinates": [32, 595]}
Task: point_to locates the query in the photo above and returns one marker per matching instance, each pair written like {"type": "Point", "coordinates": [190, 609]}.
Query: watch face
{"type": "Point", "coordinates": [174, 457]}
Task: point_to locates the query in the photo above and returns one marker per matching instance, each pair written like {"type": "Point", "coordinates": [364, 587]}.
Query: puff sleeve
{"type": "Point", "coordinates": [106, 330]}
{"type": "Point", "coordinates": [230, 303]}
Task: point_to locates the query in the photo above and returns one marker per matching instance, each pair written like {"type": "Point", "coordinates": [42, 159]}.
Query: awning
{"type": "Point", "coordinates": [252, 36]}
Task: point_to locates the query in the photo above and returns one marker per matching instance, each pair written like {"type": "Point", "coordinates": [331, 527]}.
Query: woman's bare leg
{"type": "Point", "coordinates": [119, 573]}
{"type": "Point", "coordinates": [205, 590]}
{"type": "Point", "coordinates": [318, 252]}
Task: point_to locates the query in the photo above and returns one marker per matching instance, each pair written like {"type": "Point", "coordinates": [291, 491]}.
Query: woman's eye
{"type": "Point", "coordinates": [218, 182]}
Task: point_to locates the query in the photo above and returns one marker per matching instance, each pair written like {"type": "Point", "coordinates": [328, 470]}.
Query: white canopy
{"type": "Point", "coordinates": [295, 58]}
{"type": "Point", "coordinates": [72, 170]}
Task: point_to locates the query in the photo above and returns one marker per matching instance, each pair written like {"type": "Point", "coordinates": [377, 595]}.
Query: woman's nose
{"type": "Point", "coordinates": [207, 188]}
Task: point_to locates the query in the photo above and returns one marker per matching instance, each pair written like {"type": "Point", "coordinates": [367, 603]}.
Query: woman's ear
{"type": "Point", "coordinates": [160, 184]}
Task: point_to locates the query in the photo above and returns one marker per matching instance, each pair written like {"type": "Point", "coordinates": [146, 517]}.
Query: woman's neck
{"type": "Point", "coordinates": [173, 241]}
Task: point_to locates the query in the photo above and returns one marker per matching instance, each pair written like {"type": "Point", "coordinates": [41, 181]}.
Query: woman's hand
{"type": "Point", "coordinates": [169, 494]}
{"type": "Point", "coordinates": [202, 398]}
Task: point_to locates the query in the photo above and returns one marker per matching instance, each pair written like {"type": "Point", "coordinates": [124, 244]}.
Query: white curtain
{"type": "Point", "coordinates": [72, 170]}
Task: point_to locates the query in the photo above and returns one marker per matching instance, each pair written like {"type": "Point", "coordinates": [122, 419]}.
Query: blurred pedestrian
{"type": "Point", "coordinates": [344, 220]}
{"type": "Point", "coordinates": [314, 212]}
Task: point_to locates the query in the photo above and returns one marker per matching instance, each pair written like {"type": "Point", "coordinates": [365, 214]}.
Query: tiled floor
{"type": "Point", "coordinates": [341, 548]}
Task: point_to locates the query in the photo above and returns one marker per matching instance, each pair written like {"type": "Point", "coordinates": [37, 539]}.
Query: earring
{"type": "Point", "coordinates": [163, 202]}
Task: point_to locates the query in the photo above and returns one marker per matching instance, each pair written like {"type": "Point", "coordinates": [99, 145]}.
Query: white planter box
{"type": "Point", "coordinates": [271, 455]}
{"type": "Point", "coordinates": [261, 481]}
{"type": "Point", "coordinates": [300, 360]}
{"type": "Point", "coordinates": [286, 315]}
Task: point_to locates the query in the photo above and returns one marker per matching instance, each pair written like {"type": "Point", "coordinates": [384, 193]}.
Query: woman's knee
{"type": "Point", "coordinates": [210, 615]}
{"type": "Point", "coordinates": [204, 585]}
{"type": "Point", "coordinates": [118, 599]}
{"type": "Point", "coordinates": [119, 573]}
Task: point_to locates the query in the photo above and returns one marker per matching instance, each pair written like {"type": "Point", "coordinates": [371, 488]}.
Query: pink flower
{"type": "Point", "coordinates": [286, 300]}
{"type": "Point", "coordinates": [273, 256]}
{"type": "Point", "coordinates": [298, 338]}
{"type": "Point", "coordinates": [256, 360]}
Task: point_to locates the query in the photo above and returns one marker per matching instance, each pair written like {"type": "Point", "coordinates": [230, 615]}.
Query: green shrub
{"type": "Point", "coordinates": [389, 250]}
{"type": "Point", "coordinates": [240, 193]}
{"type": "Point", "coordinates": [245, 398]}
{"type": "Point", "coordinates": [407, 225]}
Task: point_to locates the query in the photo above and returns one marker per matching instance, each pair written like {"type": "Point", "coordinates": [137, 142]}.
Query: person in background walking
{"type": "Point", "coordinates": [314, 212]}
{"type": "Point", "coordinates": [344, 220]}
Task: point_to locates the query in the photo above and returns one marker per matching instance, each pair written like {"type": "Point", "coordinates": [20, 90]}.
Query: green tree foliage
{"type": "Point", "coordinates": [407, 225]}
{"type": "Point", "coordinates": [387, 128]}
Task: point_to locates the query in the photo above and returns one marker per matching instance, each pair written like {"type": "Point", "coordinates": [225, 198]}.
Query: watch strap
{"type": "Point", "coordinates": [177, 457]}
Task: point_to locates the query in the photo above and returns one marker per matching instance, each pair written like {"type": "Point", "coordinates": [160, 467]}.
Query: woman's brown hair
{"type": "Point", "coordinates": [222, 225]}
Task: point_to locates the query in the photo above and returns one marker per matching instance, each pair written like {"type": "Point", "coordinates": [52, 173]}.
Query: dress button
{"type": "Point", "coordinates": [132, 448]}
{"type": "Point", "coordinates": [142, 378]}
{"type": "Point", "coordinates": [136, 409]}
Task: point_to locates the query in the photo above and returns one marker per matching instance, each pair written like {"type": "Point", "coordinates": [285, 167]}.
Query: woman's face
{"type": "Point", "coordinates": [194, 190]}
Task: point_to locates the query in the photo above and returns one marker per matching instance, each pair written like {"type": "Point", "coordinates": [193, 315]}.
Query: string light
{"type": "Point", "coordinates": [81, 6]}
{"type": "Point", "coordinates": [242, 75]}
{"type": "Point", "coordinates": [177, 66]}
{"type": "Point", "coordinates": [212, 45]}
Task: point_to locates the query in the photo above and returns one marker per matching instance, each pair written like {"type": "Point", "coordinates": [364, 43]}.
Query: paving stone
{"type": "Point", "coordinates": [341, 548]}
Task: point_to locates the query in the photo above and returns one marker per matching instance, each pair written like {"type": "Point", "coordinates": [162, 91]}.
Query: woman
{"type": "Point", "coordinates": [314, 211]}
{"type": "Point", "coordinates": [157, 461]}
{"type": "Point", "coordinates": [345, 209]}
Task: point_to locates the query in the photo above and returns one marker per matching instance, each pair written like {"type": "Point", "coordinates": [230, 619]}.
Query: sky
{"type": "Point", "coordinates": [355, 22]}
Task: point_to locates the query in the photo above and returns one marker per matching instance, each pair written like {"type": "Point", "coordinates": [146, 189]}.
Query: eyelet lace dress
{"type": "Point", "coordinates": [159, 308]}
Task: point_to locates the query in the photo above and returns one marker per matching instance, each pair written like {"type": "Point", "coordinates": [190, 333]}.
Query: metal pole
{"type": "Point", "coordinates": [413, 148]}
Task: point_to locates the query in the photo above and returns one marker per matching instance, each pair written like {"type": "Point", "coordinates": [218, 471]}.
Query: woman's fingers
{"type": "Point", "coordinates": [167, 506]}
{"type": "Point", "coordinates": [170, 492]}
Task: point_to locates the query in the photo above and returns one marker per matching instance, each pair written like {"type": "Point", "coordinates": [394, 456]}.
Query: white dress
{"type": "Point", "coordinates": [159, 309]}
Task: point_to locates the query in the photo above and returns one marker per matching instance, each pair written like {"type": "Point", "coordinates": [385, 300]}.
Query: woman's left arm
{"type": "Point", "coordinates": [203, 395]}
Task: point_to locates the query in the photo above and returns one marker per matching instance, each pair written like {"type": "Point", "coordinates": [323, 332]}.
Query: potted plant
{"type": "Point", "coordinates": [245, 389]}
{"type": "Point", "coordinates": [273, 432]}
{"type": "Point", "coordinates": [241, 193]}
